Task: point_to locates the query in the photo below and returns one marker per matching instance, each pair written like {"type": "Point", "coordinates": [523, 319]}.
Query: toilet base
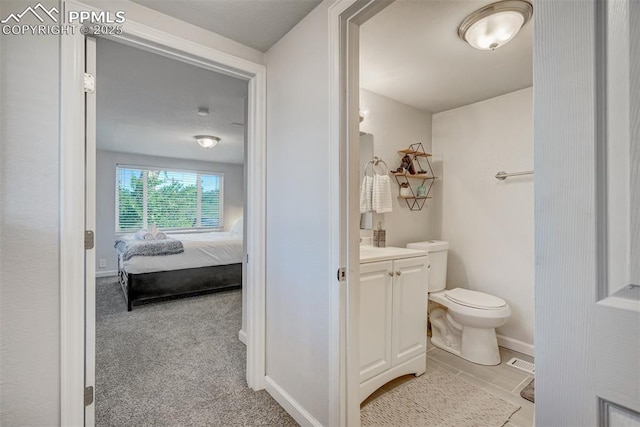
{"type": "Point", "coordinates": [478, 346]}
{"type": "Point", "coordinates": [438, 342]}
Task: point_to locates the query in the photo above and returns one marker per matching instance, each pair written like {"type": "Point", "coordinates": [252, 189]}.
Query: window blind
{"type": "Point", "coordinates": [170, 199]}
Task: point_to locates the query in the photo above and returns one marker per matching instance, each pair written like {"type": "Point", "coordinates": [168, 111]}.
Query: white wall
{"type": "Point", "coordinates": [394, 126]}
{"type": "Point", "coordinates": [29, 211]}
{"type": "Point", "coordinates": [29, 248]}
{"type": "Point", "coordinates": [106, 162]}
{"type": "Point", "coordinates": [298, 277]}
{"type": "Point", "coordinates": [489, 223]}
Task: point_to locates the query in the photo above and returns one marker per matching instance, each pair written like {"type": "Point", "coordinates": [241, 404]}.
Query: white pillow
{"type": "Point", "coordinates": [238, 227]}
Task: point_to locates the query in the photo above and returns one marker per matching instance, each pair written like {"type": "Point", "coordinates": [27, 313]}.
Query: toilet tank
{"type": "Point", "coordinates": [437, 250]}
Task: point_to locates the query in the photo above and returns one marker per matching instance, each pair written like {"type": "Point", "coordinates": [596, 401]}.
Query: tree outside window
{"type": "Point", "coordinates": [169, 199]}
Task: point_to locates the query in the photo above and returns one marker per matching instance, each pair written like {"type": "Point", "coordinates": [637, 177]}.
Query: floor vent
{"type": "Point", "coordinates": [528, 367]}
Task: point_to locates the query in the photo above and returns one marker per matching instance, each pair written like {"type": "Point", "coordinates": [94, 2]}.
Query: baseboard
{"type": "Point", "coordinates": [290, 405]}
{"type": "Point", "coordinates": [242, 336]}
{"type": "Point", "coordinates": [107, 273]}
{"type": "Point", "coordinates": [516, 345]}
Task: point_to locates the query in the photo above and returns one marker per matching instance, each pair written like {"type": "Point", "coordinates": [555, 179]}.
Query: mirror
{"type": "Point", "coordinates": [366, 154]}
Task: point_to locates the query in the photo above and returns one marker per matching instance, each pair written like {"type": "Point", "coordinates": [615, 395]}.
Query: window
{"type": "Point", "coordinates": [169, 199]}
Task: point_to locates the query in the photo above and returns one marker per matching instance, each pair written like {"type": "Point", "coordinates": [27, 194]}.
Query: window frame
{"type": "Point", "coordinates": [145, 224]}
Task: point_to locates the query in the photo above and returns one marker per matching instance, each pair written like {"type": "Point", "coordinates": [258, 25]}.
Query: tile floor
{"type": "Point", "coordinates": [501, 380]}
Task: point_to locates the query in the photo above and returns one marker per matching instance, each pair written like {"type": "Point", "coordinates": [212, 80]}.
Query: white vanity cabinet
{"type": "Point", "coordinates": [393, 316]}
{"type": "Point", "coordinates": [376, 306]}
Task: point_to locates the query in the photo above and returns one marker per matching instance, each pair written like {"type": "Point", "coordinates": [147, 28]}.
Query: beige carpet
{"type": "Point", "coordinates": [437, 399]}
{"type": "Point", "coordinates": [175, 364]}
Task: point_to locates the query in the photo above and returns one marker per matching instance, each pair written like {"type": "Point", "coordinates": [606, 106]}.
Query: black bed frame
{"type": "Point", "coordinates": [145, 288]}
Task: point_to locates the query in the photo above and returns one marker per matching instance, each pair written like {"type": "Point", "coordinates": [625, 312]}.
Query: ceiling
{"type": "Point", "coordinates": [148, 104]}
{"type": "Point", "coordinates": [255, 23]}
{"type": "Point", "coordinates": [411, 52]}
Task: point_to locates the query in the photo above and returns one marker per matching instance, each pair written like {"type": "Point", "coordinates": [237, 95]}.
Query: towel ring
{"type": "Point", "coordinates": [376, 162]}
{"type": "Point", "coordinates": [369, 163]}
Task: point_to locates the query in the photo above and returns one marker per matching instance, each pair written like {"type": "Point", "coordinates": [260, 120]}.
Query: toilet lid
{"type": "Point", "coordinates": [474, 299]}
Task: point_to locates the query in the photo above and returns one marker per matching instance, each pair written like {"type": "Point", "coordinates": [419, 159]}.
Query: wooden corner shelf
{"type": "Point", "coordinates": [415, 175]}
{"type": "Point", "coordinates": [415, 152]}
{"type": "Point", "coordinates": [414, 198]}
{"type": "Point", "coordinates": [412, 159]}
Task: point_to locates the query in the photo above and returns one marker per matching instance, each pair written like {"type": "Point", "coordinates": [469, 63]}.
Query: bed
{"type": "Point", "coordinates": [211, 262]}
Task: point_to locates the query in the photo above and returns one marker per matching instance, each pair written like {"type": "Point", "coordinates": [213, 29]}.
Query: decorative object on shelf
{"type": "Point", "coordinates": [415, 158]}
{"type": "Point", "coordinates": [405, 190]}
{"type": "Point", "coordinates": [379, 237]}
{"type": "Point", "coordinates": [407, 164]}
{"type": "Point", "coordinates": [375, 191]}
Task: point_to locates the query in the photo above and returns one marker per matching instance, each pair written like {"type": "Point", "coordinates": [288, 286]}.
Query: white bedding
{"type": "Point", "coordinates": [200, 250]}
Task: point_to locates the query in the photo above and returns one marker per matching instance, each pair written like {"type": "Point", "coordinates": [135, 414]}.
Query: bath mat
{"type": "Point", "coordinates": [529, 391]}
{"type": "Point", "coordinates": [437, 399]}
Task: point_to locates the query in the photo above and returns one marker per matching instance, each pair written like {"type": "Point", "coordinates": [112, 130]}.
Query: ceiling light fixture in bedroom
{"type": "Point", "coordinates": [496, 24]}
{"type": "Point", "coordinates": [207, 141]}
{"type": "Point", "coordinates": [203, 111]}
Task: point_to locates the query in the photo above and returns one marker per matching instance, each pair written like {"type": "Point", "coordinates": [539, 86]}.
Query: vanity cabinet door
{"type": "Point", "coordinates": [409, 309]}
{"type": "Point", "coordinates": [375, 318]}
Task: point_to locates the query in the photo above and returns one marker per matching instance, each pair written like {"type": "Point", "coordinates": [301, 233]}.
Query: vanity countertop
{"type": "Point", "coordinates": [373, 254]}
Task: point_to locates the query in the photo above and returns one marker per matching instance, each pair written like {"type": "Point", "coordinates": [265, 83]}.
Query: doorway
{"type": "Point", "coordinates": [581, 288]}
{"type": "Point", "coordinates": [167, 325]}
{"type": "Point", "coordinates": [78, 382]}
{"type": "Point", "coordinates": [348, 35]}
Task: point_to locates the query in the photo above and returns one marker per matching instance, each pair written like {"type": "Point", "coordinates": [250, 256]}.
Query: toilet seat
{"type": "Point", "coordinates": [474, 299]}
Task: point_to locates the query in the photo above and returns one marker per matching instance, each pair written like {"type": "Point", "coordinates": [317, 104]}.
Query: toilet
{"type": "Point", "coordinates": [463, 322]}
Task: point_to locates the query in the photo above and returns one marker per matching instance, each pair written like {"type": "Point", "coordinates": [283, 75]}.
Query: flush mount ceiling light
{"type": "Point", "coordinates": [207, 141]}
{"type": "Point", "coordinates": [495, 24]}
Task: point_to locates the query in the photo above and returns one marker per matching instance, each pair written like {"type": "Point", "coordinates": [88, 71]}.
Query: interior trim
{"type": "Point", "coordinates": [106, 273]}
{"type": "Point", "coordinates": [292, 406]}
{"type": "Point", "coordinates": [345, 16]}
{"type": "Point", "coordinates": [516, 345]}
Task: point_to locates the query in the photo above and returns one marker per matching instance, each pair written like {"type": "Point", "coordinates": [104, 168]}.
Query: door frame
{"type": "Point", "coordinates": [73, 200]}
{"type": "Point", "coordinates": [345, 18]}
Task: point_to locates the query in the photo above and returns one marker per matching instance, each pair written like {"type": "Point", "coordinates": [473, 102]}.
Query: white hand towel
{"type": "Point", "coordinates": [381, 200]}
{"type": "Point", "coordinates": [366, 194]}
{"type": "Point", "coordinates": [160, 235]}
{"type": "Point", "coordinates": [144, 235]}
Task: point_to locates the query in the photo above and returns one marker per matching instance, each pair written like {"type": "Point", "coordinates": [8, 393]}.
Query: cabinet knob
{"type": "Point", "coordinates": [391, 274]}
{"type": "Point", "coordinates": [398, 273]}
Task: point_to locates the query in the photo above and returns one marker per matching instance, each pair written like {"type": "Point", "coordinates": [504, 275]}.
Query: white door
{"type": "Point", "coordinates": [90, 224]}
{"type": "Point", "coordinates": [618, 307]}
{"type": "Point", "coordinates": [375, 318]}
{"type": "Point", "coordinates": [409, 330]}
{"type": "Point", "coordinates": [587, 166]}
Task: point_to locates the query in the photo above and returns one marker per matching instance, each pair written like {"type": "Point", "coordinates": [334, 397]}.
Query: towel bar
{"type": "Point", "coordinates": [502, 175]}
